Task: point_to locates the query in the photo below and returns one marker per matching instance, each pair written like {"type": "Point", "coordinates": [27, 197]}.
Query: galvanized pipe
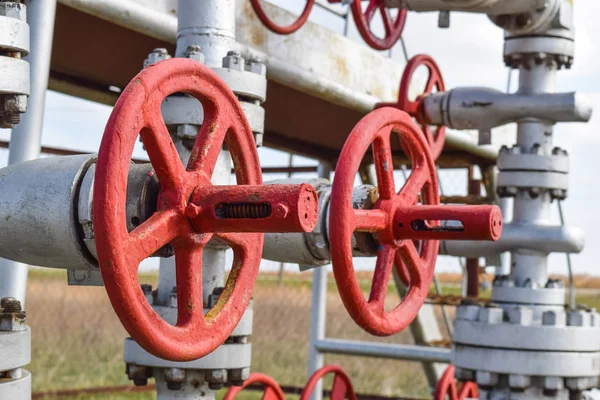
{"type": "Point", "coordinates": [473, 6]}
{"type": "Point", "coordinates": [26, 138]}
{"type": "Point", "coordinates": [384, 350]}
{"type": "Point", "coordinates": [144, 20]}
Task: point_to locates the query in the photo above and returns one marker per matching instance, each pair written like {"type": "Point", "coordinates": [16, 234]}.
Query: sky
{"type": "Point", "coordinates": [469, 54]}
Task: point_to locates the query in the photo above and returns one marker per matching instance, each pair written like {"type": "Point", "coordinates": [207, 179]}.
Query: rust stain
{"type": "Point", "coordinates": [342, 68]}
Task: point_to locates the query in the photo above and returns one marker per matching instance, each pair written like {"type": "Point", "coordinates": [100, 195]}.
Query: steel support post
{"type": "Point", "coordinates": [318, 311]}
{"type": "Point", "coordinates": [26, 138]}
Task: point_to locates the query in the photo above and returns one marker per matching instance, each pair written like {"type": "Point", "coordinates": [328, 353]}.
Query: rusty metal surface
{"type": "Point", "coordinates": [341, 387]}
{"type": "Point", "coordinates": [282, 29]}
{"type": "Point", "coordinates": [447, 388]}
{"type": "Point", "coordinates": [272, 391]}
{"type": "Point", "coordinates": [415, 108]}
{"type": "Point", "coordinates": [120, 252]}
{"type": "Point", "coordinates": [90, 54]}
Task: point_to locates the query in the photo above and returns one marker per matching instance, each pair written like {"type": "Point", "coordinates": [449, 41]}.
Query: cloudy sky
{"type": "Point", "coordinates": [469, 54]}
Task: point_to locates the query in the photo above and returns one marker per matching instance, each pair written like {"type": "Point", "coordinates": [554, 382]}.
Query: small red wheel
{"type": "Point", "coordinates": [120, 252]}
{"type": "Point", "coordinates": [376, 130]}
{"type": "Point", "coordinates": [416, 108]}
{"type": "Point", "coordinates": [341, 388]}
{"type": "Point", "coordinates": [393, 27]}
{"type": "Point", "coordinates": [272, 389]}
{"type": "Point", "coordinates": [447, 387]}
{"type": "Point", "coordinates": [282, 30]}
{"type": "Point", "coordinates": [396, 221]}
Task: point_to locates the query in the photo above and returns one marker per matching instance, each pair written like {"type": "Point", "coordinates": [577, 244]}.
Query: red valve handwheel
{"type": "Point", "coordinates": [396, 221]}
{"type": "Point", "coordinates": [447, 387]}
{"type": "Point", "coordinates": [375, 130]}
{"type": "Point", "coordinates": [272, 389]}
{"type": "Point", "coordinates": [341, 388]}
{"type": "Point", "coordinates": [415, 108]}
{"type": "Point", "coordinates": [282, 30]}
{"type": "Point", "coordinates": [393, 28]}
{"type": "Point", "coordinates": [119, 252]}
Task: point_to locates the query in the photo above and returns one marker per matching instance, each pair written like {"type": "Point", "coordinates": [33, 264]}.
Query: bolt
{"type": "Point", "coordinates": [146, 289]}
{"type": "Point", "coordinates": [216, 378]}
{"type": "Point", "coordinates": [187, 131]}
{"type": "Point", "coordinates": [503, 281]}
{"type": "Point", "coordinates": [556, 151]}
{"type": "Point", "coordinates": [10, 305]}
{"type": "Point", "coordinates": [558, 194]}
{"type": "Point", "coordinates": [175, 378]}
{"type": "Point", "coordinates": [515, 149]}
{"type": "Point", "coordinates": [554, 284]}
{"type": "Point", "coordinates": [519, 382]}
{"type": "Point", "coordinates": [444, 19]}
{"type": "Point", "coordinates": [172, 302]}
{"type": "Point", "coordinates": [157, 55]}
{"type": "Point", "coordinates": [520, 315]}
{"type": "Point", "coordinates": [213, 298]}
{"type": "Point", "coordinates": [258, 138]}
{"type": "Point", "coordinates": [13, 9]}
{"type": "Point", "coordinates": [467, 312]}
{"type": "Point", "coordinates": [234, 60]}
{"type": "Point", "coordinates": [578, 318]}
{"type": "Point", "coordinates": [577, 384]}
{"type": "Point", "coordinates": [503, 149]}
{"type": "Point", "coordinates": [256, 66]}
{"type": "Point", "coordinates": [486, 379]}
{"type": "Point", "coordinates": [534, 193]}
{"type": "Point", "coordinates": [536, 149]}
{"type": "Point", "coordinates": [238, 376]}
{"type": "Point", "coordinates": [491, 315]}
{"type": "Point", "coordinates": [138, 374]}
{"type": "Point", "coordinates": [553, 383]}
{"type": "Point", "coordinates": [195, 53]}
{"type": "Point", "coordinates": [554, 318]}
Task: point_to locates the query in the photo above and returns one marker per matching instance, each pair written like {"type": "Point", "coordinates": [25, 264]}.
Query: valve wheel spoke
{"type": "Point", "coordinates": [162, 153]}
{"type": "Point", "coordinates": [381, 277]}
{"type": "Point", "coordinates": [208, 145]}
{"type": "Point", "coordinates": [419, 177]}
{"type": "Point", "coordinates": [384, 166]}
{"type": "Point", "coordinates": [188, 265]}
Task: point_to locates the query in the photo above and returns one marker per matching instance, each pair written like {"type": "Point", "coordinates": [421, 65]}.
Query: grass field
{"type": "Point", "coordinates": [77, 339]}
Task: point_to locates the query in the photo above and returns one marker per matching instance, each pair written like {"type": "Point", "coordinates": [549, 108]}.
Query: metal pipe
{"type": "Point", "coordinates": [318, 312]}
{"type": "Point", "coordinates": [473, 6]}
{"type": "Point", "coordinates": [157, 25]}
{"type": "Point", "coordinates": [384, 350]}
{"type": "Point", "coordinates": [26, 138]}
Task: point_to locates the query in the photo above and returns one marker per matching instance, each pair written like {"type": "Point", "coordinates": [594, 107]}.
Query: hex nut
{"type": "Point", "coordinates": [13, 10]}
{"type": "Point", "coordinates": [578, 384]}
{"type": "Point", "coordinates": [216, 378]}
{"type": "Point", "coordinates": [138, 374]}
{"type": "Point", "coordinates": [486, 379]}
{"type": "Point", "coordinates": [256, 66]}
{"type": "Point", "coordinates": [553, 383]}
{"type": "Point", "coordinates": [467, 312]}
{"type": "Point", "coordinates": [516, 381]}
{"type": "Point", "coordinates": [594, 319]}
{"type": "Point", "coordinates": [172, 302]}
{"type": "Point", "coordinates": [520, 315]}
{"type": "Point", "coordinates": [175, 377]}
{"type": "Point", "coordinates": [491, 315]}
{"type": "Point", "coordinates": [554, 318]}
{"type": "Point", "coordinates": [233, 60]}
{"type": "Point", "coordinates": [157, 55]}
{"type": "Point", "coordinates": [578, 318]}
{"type": "Point", "coordinates": [238, 375]}
{"type": "Point", "coordinates": [195, 53]}
{"type": "Point", "coordinates": [187, 131]}
{"type": "Point", "coordinates": [463, 374]}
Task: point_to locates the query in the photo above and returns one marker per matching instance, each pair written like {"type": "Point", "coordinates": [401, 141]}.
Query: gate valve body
{"type": "Point", "coordinates": [395, 220]}
{"type": "Point", "coordinates": [272, 389]}
{"type": "Point", "coordinates": [447, 389]}
{"type": "Point", "coordinates": [393, 26]}
{"type": "Point", "coordinates": [341, 387]}
{"type": "Point", "coordinates": [416, 108]}
{"type": "Point", "coordinates": [189, 211]}
{"type": "Point", "coordinates": [282, 30]}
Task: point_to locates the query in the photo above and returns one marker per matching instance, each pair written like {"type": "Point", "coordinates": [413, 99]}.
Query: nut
{"type": "Point", "coordinates": [491, 315]}
{"type": "Point", "coordinates": [518, 382]}
{"type": "Point", "coordinates": [553, 383]}
{"type": "Point", "coordinates": [216, 378]}
{"type": "Point", "coordinates": [238, 376]}
{"type": "Point", "coordinates": [579, 384]}
{"type": "Point", "coordinates": [195, 53]}
{"type": "Point", "coordinates": [256, 66]}
{"type": "Point", "coordinates": [187, 131]}
{"type": "Point", "coordinates": [554, 284]}
{"type": "Point", "coordinates": [214, 297]}
{"type": "Point", "coordinates": [172, 301]}
{"type": "Point", "coordinates": [520, 315]}
{"type": "Point", "coordinates": [13, 10]}
{"type": "Point", "coordinates": [578, 318]}
{"type": "Point", "coordinates": [554, 318]}
{"type": "Point", "coordinates": [174, 378]}
{"type": "Point", "coordinates": [138, 374]}
{"type": "Point", "coordinates": [467, 313]}
{"type": "Point", "coordinates": [486, 379]}
{"type": "Point", "coordinates": [536, 149]}
{"type": "Point", "coordinates": [234, 60]}
{"type": "Point", "coordinates": [157, 55]}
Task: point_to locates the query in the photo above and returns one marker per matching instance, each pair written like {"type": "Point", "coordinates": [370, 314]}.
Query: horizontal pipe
{"type": "Point", "coordinates": [164, 27]}
{"type": "Point", "coordinates": [384, 350]}
{"type": "Point", "coordinates": [492, 7]}
{"type": "Point", "coordinates": [516, 236]}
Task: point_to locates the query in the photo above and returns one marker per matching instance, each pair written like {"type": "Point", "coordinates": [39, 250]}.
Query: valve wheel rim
{"type": "Point", "coordinates": [447, 387]}
{"type": "Point", "coordinates": [363, 19]}
{"type": "Point", "coordinates": [120, 252]}
{"type": "Point", "coordinates": [341, 387]}
{"type": "Point", "coordinates": [282, 30]}
{"type": "Point", "coordinates": [415, 108]}
{"type": "Point", "coordinates": [272, 389]}
{"type": "Point", "coordinates": [374, 131]}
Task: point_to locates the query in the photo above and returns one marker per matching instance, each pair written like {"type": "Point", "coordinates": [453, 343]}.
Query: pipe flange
{"type": "Point", "coordinates": [15, 348]}
{"type": "Point", "coordinates": [505, 293]}
{"type": "Point", "coordinates": [531, 180]}
{"type": "Point", "coordinates": [245, 84]}
{"type": "Point", "coordinates": [17, 388]}
{"type": "Point", "coordinates": [526, 52]}
{"type": "Point", "coordinates": [513, 160]}
{"type": "Point", "coordinates": [530, 22]}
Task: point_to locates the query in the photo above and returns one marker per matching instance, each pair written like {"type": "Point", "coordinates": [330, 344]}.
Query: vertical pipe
{"type": "Point", "coordinates": [472, 267]}
{"type": "Point", "coordinates": [26, 138]}
{"type": "Point", "coordinates": [318, 311]}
